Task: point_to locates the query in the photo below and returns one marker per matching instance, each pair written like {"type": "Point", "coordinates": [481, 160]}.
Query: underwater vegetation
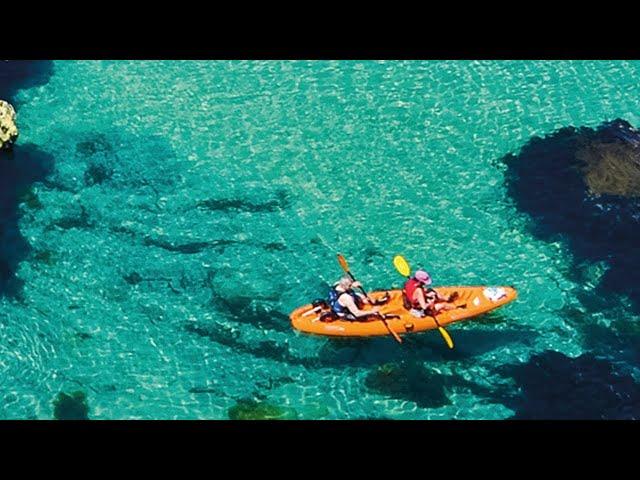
{"type": "Point", "coordinates": [97, 173]}
{"type": "Point", "coordinates": [248, 409]}
{"type": "Point", "coordinates": [71, 406]}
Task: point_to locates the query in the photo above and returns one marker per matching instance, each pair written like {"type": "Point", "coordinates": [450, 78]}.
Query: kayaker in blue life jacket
{"type": "Point", "coordinates": [346, 303]}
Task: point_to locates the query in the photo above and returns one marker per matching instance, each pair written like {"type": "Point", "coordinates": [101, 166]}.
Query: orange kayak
{"type": "Point", "coordinates": [471, 302]}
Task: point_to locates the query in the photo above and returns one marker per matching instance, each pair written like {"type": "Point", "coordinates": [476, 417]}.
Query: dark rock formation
{"type": "Point", "coordinates": [582, 185]}
{"type": "Point", "coordinates": [554, 386]}
{"type": "Point", "coordinates": [71, 407]}
{"type": "Point", "coordinates": [22, 74]}
{"type": "Point", "coordinates": [19, 170]}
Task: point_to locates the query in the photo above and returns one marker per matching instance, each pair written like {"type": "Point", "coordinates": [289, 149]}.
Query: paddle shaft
{"type": "Point", "coordinates": [361, 288]}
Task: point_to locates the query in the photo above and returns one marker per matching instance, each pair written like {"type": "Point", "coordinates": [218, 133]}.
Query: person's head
{"type": "Point", "coordinates": [345, 282]}
{"type": "Point", "coordinates": [423, 277]}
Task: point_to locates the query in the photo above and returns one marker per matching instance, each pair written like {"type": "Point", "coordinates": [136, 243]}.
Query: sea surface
{"type": "Point", "coordinates": [161, 219]}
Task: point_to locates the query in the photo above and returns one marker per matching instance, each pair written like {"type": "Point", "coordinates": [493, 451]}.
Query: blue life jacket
{"type": "Point", "coordinates": [335, 305]}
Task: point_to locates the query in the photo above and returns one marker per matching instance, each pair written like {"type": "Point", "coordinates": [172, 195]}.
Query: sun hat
{"type": "Point", "coordinates": [423, 277]}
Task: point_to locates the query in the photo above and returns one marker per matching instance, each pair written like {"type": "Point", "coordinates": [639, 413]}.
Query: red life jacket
{"type": "Point", "coordinates": [409, 289]}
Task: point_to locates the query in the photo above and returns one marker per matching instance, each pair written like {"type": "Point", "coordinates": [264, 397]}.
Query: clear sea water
{"type": "Point", "coordinates": [217, 196]}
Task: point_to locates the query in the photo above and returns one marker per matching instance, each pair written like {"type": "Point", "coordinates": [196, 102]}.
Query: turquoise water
{"type": "Point", "coordinates": [217, 196]}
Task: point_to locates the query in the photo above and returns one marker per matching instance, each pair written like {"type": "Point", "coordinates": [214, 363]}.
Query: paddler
{"type": "Point", "coordinates": [346, 303]}
{"type": "Point", "coordinates": [421, 300]}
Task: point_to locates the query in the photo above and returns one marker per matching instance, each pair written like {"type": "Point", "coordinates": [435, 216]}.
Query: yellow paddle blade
{"type": "Point", "coordinates": [446, 337]}
{"type": "Point", "coordinates": [343, 263]}
{"type": "Point", "coordinates": [401, 265]}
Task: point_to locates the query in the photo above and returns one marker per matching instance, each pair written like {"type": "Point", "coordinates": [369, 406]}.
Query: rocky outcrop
{"type": "Point", "coordinates": [553, 386]}
{"type": "Point", "coordinates": [8, 128]}
{"type": "Point", "coordinates": [582, 186]}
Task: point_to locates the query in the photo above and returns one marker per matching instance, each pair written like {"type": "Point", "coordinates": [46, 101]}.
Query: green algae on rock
{"type": "Point", "coordinates": [71, 407]}
{"type": "Point", "coordinates": [247, 409]}
{"type": "Point", "coordinates": [610, 159]}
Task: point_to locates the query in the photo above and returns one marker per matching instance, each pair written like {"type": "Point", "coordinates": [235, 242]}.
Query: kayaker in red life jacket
{"type": "Point", "coordinates": [422, 300]}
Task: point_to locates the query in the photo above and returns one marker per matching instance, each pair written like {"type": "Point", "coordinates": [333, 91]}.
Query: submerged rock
{"type": "Point", "coordinates": [252, 410]}
{"type": "Point", "coordinates": [71, 407]}
{"type": "Point", "coordinates": [97, 173]}
{"type": "Point", "coordinates": [582, 186]}
{"type": "Point", "coordinates": [8, 128]}
{"type": "Point", "coordinates": [554, 386]}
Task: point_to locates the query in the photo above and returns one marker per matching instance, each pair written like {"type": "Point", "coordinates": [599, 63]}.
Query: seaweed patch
{"type": "Point", "coordinates": [97, 173]}
{"type": "Point", "coordinates": [249, 409]}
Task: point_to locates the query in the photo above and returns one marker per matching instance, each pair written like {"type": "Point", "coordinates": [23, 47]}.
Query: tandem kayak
{"type": "Point", "coordinates": [471, 302]}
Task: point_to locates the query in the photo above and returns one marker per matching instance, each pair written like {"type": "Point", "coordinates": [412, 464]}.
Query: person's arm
{"type": "Point", "coordinates": [419, 297]}
{"type": "Point", "coordinates": [347, 302]}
